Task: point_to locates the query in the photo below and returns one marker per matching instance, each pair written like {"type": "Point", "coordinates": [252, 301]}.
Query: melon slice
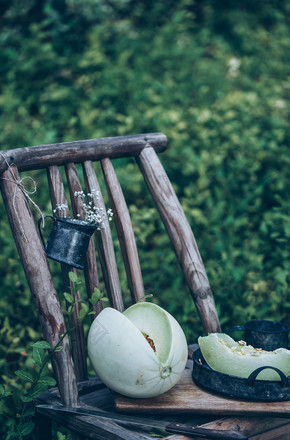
{"type": "Point", "coordinates": [225, 355]}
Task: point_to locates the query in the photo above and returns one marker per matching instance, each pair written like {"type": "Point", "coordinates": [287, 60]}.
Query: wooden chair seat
{"type": "Point", "coordinates": [77, 161]}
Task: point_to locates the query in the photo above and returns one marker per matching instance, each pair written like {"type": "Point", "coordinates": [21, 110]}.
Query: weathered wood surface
{"type": "Point", "coordinates": [254, 419]}
{"type": "Point", "coordinates": [97, 429]}
{"type": "Point", "coordinates": [92, 427]}
{"type": "Point", "coordinates": [40, 281]}
{"type": "Point", "coordinates": [105, 245]}
{"type": "Point", "coordinates": [58, 197]}
{"type": "Point", "coordinates": [93, 392]}
{"type": "Point", "coordinates": [56, 191]}
{"type": "Point", "coordinates": [90, 268]}
{"type": "Point", "coordinates": [181, 236]}
{"type": "Point", "coordinates": [42, 156]}
{"type": "Point", "coordinates": [187, 397]}
{"type": "Point", "coordinates": [256, 428]}
{"type": "Point", "coordinates": [125, 231]}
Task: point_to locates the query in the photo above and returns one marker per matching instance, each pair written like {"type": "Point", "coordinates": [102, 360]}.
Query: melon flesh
{"type": "Point", "coordinates": [227, 356]}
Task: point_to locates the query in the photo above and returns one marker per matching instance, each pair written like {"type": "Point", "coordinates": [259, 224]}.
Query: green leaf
{"type": "Point", "coordinates": [73, 277]}
{"type": "Point", "coordinates": [37, 390]}
{"type": "Point", "coordinates": [24, 375]}
{"type": "Point", "coordinates": [47, 380]}
{"type": "Point", "coordinates": [83, 312]}
{"type": "Point", "coordinates": [96, 296]}
{"type": "Point", "coordinates": [69, 298]}
{"type": "Point", "coordinates": [70, 309]}
{"type": "Point", "coordinates": [29, 412]}
{"type": "Point", "coordinates": [42, 344]}
{"type": "Point", "coordinates": [25, 398]}
{"type": "Point", "coordinates": [61, 436]}
{"type": "Point", "coordinates": [12, 434]}
{"type": "Point", "coordinates": [38, 355]}
{"type": "Point", "coordinates": [26, 428]}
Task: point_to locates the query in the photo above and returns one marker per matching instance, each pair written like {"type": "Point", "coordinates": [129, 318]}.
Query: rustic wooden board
{"type": "Point", "coordinates": [186, 396]}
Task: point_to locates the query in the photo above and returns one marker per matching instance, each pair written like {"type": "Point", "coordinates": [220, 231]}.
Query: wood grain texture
{"type": "Point", "coordinates": [125, 231]}
{"type": "Point", "coordinates": [251, 426]}
{"type": "Point", "coordinates": [56, 191]}
{"type": "Point", "coordinates": [90, 268]}
{"type": "Point", "coordinates": [187, 397]}
{"type": "Point", "coordinates": [255, 428]}
{"type": "Point", "coordinates": [97, 429]}
{"type": "Point", "coordinates": [40, 281]}
{"type": "Point", "coordinates": [181, 236]}
{"type": "Point", "coordinates": [105, 243]}
{"type": "Point", "coordinates": [58, 197]}
{"type": "Point", "coordinates": [42, 156]}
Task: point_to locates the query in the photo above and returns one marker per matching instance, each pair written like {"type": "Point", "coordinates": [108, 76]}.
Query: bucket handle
{"type": "Point", "coordinates": [39, 228]}
{"type": "Point", "coordinates": [252, 377]}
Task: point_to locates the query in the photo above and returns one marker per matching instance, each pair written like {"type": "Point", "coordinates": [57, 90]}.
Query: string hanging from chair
{"type": "Point", "coordinates": [27, 193]}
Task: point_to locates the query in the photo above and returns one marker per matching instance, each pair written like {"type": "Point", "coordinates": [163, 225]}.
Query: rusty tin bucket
{"type": "Point", "coordinates": [68, 241]}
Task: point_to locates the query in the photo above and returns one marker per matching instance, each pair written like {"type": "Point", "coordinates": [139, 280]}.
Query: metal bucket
{"type": "Point", "coordinates": [268, 335]}
{"type": "Point", "coordinates": [68, 241]}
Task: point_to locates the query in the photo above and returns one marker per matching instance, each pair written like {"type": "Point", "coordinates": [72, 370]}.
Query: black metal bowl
{"type": "Point", "coordinates": [244, 388]}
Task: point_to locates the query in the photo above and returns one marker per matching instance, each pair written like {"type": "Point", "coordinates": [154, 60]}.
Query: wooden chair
{"type": "Point", "coordinates": [70, 364]}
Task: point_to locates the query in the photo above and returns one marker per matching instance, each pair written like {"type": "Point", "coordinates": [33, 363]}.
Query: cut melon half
{"type": "Point", "coordinates": [139, 353]}
{"type": "Point", "coordinates": [227, 356]}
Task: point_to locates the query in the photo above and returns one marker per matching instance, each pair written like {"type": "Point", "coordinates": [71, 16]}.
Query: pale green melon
{"type": "Point", "coordinates": [139, 353]}
{"type": "Point", "coordinates": [227, 356]}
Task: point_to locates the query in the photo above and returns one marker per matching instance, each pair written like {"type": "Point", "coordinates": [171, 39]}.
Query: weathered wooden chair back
{"type": "Point", "coordinates": [73, 156]}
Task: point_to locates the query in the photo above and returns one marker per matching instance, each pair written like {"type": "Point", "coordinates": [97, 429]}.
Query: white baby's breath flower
{"type": "Point", "coordinates": [93, 213]}
{"type": "Point", "coordinates": [60, 208]}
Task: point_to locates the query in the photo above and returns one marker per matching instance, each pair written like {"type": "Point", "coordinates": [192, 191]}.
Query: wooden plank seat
{"type": "Point", "coordinates": [71, 167]}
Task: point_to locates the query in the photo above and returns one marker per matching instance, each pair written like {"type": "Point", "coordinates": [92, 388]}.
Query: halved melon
{"type": "Point", "coordinates": [139, 353]}
{"type": "Point", "coordinates": [225, 355]}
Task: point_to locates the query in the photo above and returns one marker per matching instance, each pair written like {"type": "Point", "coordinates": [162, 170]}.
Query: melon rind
{"type": "Point", "coordinates": [124, 360]}
{"type": "Point", "coordinates": [227, 356]}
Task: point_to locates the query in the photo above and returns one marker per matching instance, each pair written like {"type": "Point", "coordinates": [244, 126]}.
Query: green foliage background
{"type": "Point", "coordinates": [214, 77]}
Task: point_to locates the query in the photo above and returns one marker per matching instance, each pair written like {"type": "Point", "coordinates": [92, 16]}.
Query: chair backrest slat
{"type": "Point", "coordinates": [58, 197]}
{"type": "Point", "coordinates": [42, 156]}
{"type": "Point", "coordinates": [56, 190]}
{"type": "Point", "coordinates": [90, 270]}
{"type": "Point", "coordinates": [40, 280]}
{"type": "Point", "coordinates": [104, 242]}
{"type": "Point", "coordinates": [125, 231]}
{"type": "Point", "coordinates": [181, 236]}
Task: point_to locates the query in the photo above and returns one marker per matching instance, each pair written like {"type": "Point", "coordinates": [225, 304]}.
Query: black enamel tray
{"type": "Point", "coordinates": [245, 388]}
